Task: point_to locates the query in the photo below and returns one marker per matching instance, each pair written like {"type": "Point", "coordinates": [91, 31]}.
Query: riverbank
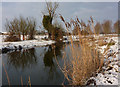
{"type": "Point", "coordinates": [109, 75]}
{"type": "Point", "coordinates": [38, 41]}
{"type": "Point", "coordinates": [11, 46]}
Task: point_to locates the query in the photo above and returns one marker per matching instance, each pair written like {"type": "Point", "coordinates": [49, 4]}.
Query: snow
{"type": "Point", "coordinates": [112, 70]}
{"type": "Point", "coordinates": [108, 77]}
{"type": "Point", "coordinates": [25, 44]}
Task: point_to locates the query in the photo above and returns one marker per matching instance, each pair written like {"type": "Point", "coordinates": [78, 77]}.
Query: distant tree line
{"type": "Point", "coordinates": [26, 27]}
{"type": "Point", "coordinates": [104, 28]}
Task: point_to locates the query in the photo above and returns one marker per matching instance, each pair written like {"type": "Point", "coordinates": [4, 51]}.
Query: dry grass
{"type": "Point", "coordinates": [84, 62]}
{"type": "Point", "coordinates": [102, 43]}
{"type": "Point", "coordinates": [112, 42]}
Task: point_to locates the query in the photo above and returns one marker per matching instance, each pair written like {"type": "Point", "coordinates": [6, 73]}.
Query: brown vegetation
{"type": "Point", "coordinates": [117, 27]}
{"type": "Point", "coordinates": [98, 28]}
{"type": "Point", "coordinates": [21, 26]}
{"type": "Point", "coordinates": [84, 62]}
{"type": "Point", "coordinates": [11, 38]}
{"type": "Point", "coordinates": [107, 27]}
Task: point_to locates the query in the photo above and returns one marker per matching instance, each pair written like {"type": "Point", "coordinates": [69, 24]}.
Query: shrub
{"type": "Point", "coordinates": [11, 38]}
{"type": "Point", "coordinates": [21, 26]}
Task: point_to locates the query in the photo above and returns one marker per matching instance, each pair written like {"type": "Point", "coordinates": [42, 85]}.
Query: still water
{"type": "Point", "coordinates": [39, 63]}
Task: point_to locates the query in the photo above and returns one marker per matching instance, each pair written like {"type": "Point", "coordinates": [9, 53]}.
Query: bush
{"type": "Point", "coordinates": [21, 26]}
{"type": "Point", "coordinates": [11, 38]}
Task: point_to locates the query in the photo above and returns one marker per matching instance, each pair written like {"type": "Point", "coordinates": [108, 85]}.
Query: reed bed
{"type": "Point", "coordinates": [84, 61]}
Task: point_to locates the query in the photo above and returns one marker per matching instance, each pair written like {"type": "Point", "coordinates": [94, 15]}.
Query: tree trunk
{"type": "Point", "coordinates": [23, 37]}
{"type": "Point", "coordinates": [49, 36]}
{"type": "Point", "coordinates": [19, 36]}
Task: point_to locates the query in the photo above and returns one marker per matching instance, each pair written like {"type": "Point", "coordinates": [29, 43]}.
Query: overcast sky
{"type": "Point", "coordinates": [99, 10]}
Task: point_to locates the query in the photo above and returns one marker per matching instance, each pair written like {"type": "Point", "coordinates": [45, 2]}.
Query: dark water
{"type": "Point", "coordinates": [39, 63]}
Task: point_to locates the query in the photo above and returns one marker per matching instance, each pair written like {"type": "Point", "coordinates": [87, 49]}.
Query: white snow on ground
{"type": "Point", "coordinates": [111, 73]}
{"type": "Point", "coordinates": [25, 44]}
{"type": "Point", "coordinates": [31, 43]}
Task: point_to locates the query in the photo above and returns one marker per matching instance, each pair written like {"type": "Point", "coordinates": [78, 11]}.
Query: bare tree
{"type": "Point", "coordinates": [107, 27]}
{"type": "Point", "coordinates": [98, 28]}
{"type": "Point", "coordinates": [51, 8]}
{"type": "Point", "coordinates": [31, 29]}
{"type": "Point", "coordinates": [21, 26]}
{"type": "Point", "coordinates": [47, 19]}
{"type": "Point", "coordinates": [117, 27]}
{"type": "Point", "coordinates": [13, 27]}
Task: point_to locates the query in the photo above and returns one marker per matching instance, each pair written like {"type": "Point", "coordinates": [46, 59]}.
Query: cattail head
{"type": "Point", "coordinates": [91, 19]}
{"type": "Point", "coordinates": [78, 20]}
{"type": "Point", "coordinates": [72, 22]}
{"type": "Point", "coordinates": [62, 18]}
{"type": "Point", "coordinates": [84, 24]}
{"type": "Point", "coordinates": [67, 25]}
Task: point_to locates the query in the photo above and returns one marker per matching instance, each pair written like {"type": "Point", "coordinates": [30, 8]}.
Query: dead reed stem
{"type": "Point", "coordinates": [29, 82]}
{"type": "Point", "coordinates": [6, 74]}
{"type": "Point", "coordinates": [21, 81]}
{"type": "Point", "coordinates": [84, 60]}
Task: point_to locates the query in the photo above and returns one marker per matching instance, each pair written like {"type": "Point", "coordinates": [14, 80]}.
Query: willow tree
{"type": "Point", "coordinates": [47, 19]}
{"type": "Point", "coordinates": [47, 23]}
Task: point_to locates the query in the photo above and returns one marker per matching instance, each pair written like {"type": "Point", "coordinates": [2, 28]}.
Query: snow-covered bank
{"type": "Point", "coordinates": [9, 46]}
{"type": "Point", "coordinates": [111, 69]}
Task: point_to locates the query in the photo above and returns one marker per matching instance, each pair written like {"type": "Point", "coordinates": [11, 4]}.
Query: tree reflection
{"type": "Point", "coordinates": [49, 55]}
{"type": "Point", "coordinates": [49, 60]}
{"type": "Point", "coordinates": [22, 59]}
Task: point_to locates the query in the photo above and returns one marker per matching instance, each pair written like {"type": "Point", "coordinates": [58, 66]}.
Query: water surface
{"type": "Point", "coordinates": [39, 63]}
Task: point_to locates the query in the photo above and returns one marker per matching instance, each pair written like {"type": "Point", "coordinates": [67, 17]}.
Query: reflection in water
{"type": "Point", "coordinates": [49, 55]}
{"type": "Point", "coordinates": [49, 58]}
{"type": "Point", "coordinates": [38, 63]}
{"type": "Point", "coordinates": [22, 59]}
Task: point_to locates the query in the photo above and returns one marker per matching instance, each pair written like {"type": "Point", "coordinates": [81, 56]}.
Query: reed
{"type": "Point", "coordinates": [21, 81]}
{"type": "Point", "coordinates": [85, 61]}
{"type": "Point", "coordinates": [29, 82]}
{"type": "Point", "coordinates": [6, 74]}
